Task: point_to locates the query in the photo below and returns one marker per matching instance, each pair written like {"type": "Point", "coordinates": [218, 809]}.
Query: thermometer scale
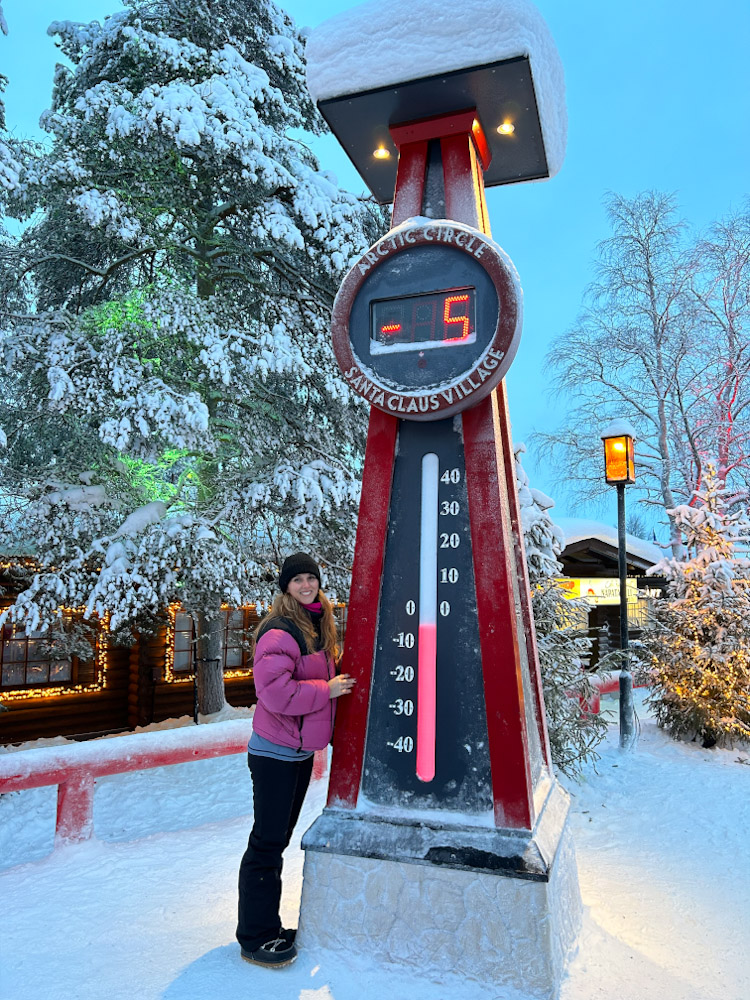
{"type": "Point", "coordinates": [426, 743]}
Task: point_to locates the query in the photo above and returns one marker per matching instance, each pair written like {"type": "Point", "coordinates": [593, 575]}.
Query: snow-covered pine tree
{"type": "Point", "coordinates": [177, 422]}
{"type": "Point", "coordinates": [11, 151]}
{"type": "Point", "coordinates": [561, 632]}
{"type": "Point", "coordinates": [699, 641]}
{"type": "Point", "coordinates": [178, 146]}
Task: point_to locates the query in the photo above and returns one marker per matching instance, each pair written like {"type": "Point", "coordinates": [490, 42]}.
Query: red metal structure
{"type": "Point", "coordinates": [506, 629]}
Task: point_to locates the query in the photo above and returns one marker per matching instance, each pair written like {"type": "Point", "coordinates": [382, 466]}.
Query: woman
{"type": "Point", "coordinates": [296, 685]}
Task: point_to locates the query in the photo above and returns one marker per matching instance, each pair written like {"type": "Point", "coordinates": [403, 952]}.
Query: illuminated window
{"type": "Point", "coordinates": [237, 627]}
{"type": "Point", "coordinates": [25, 663]}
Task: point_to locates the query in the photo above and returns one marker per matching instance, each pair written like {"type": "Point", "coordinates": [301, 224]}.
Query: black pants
{"type": "Point", "coordinates": [279, 788]}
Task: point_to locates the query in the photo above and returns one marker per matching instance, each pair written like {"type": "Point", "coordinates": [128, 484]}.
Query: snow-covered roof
{"type": "Point", "coordinates": [385, 42]}
{"type": "Point", "coordinates": [579, 529]}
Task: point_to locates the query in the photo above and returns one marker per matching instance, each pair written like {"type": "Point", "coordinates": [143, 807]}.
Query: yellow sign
{"type": "Point", "coordinates": [598, 589]}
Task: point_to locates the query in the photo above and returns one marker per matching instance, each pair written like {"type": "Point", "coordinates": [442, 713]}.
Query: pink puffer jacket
{"type": "Point", "coordinates": [294, 705]}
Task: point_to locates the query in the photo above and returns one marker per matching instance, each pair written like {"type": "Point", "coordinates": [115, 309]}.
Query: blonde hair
{"type": "Point", "coordinates": [286, 606]}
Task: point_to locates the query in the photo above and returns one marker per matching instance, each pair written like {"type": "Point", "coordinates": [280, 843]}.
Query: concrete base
{"type": "Point", "coordinates": [495, 926]}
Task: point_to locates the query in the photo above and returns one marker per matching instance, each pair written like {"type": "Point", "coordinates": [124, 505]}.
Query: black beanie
{"type": "Point", "coordinates": [300, 562]}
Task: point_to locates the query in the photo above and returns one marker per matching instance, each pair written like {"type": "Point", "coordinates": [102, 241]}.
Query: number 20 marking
{"type": "Point", "coordinates": [449, 541]}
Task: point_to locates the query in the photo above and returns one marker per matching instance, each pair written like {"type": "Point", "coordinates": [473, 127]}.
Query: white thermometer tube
{"type": "Point", "coordinates": [427, 638]}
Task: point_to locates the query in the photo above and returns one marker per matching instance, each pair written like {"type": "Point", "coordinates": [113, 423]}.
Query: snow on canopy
{"type": "Point", "coordinates": [577, 529]}
{"type": "Point", "coordinates": [619, 428]}
{"type": "Point", "coordinates": [385, 42]}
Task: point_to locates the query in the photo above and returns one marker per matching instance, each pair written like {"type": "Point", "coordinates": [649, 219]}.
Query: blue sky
{"type": "Point", "coordinates": [658, 95]}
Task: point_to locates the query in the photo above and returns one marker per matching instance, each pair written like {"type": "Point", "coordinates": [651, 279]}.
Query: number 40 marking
{"type": "Point", "coordinates": [404, 744]}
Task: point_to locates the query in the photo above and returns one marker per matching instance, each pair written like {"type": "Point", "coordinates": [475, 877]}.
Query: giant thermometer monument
{"type": "Point", "coordinates": [444, 842]}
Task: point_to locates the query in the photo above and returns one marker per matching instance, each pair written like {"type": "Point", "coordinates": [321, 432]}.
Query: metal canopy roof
{"type": "Point", "coordinates": [596, 557]}
{"type": "Point", "coordinates": [500, 92]}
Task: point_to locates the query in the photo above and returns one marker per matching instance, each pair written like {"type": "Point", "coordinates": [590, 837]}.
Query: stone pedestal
{"type": "Point", "coordinates": [494, 906]}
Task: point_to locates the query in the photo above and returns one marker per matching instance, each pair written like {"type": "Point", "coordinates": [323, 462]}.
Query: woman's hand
{"type": "Point", "coordinates": [342, 684]}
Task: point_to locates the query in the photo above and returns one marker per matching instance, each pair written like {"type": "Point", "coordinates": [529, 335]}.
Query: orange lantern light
{"type": "Point", "coordinates": [619, 453]}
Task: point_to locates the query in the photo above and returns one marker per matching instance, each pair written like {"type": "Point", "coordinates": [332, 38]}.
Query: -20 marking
{"type": "Point", "coordinates": [403, 672]}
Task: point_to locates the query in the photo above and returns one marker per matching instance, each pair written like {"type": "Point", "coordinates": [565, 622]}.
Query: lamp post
{"type": "Point", "coordinates": [619, 470]}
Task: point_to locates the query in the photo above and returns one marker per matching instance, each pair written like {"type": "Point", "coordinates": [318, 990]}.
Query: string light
{"type": "Point", "coordinates": [101, 656]}
{"type": "Point", "coordinates": [174, 676]}
{"type": "Point", "coordinates": [101, 663]}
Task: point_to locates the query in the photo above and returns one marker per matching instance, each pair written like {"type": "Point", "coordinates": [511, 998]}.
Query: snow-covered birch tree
{"type": "Point", "coordinates": [719, 434]}
{"type": "Point", "coordinates": [177, 423]}
{"type": "Point", "coordinates": [659, 343]}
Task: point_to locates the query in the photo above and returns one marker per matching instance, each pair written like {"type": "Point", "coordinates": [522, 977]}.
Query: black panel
{"type": "Point", "coordinates": [462, 779]}
{"type": "Point", "coordinates": [416, 270]}
{"type": "Point", "coordinates": [498, 91]}
{"type": "Point", "coordinates": [433, 200]}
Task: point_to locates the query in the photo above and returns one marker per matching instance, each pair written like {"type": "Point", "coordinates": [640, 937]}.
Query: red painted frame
{"type": "Point", "coordinates": [362, 617]}
{"type": "Point", "coordinates": [500, 571]}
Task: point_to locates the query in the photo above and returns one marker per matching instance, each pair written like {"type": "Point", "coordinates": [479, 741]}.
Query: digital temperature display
{"type": "Point", "coordinates": [417, 322]}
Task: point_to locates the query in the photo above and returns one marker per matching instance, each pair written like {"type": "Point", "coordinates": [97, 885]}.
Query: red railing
{"type": "Point", "coordinates": [74, 767]}
{"type": "Point", "coordinates": [605, 684]}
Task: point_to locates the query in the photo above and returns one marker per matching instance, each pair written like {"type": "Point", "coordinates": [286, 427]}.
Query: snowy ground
{"type": "Point", "coordinates": [146, 910]}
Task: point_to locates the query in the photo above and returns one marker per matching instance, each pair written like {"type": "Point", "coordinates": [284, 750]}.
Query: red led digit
{"type": "Point", "coordinates": [391, 328]}
{"type": "Point", "coordinates": [449, 318]}
{"type": "Point", "coordinates": [424, 314]}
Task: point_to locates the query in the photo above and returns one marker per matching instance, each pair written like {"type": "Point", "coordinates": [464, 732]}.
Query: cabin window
{"type": "Point", "coordinates": [27, 664]}
{"type": "Point", "coordinates": [237, 625]}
